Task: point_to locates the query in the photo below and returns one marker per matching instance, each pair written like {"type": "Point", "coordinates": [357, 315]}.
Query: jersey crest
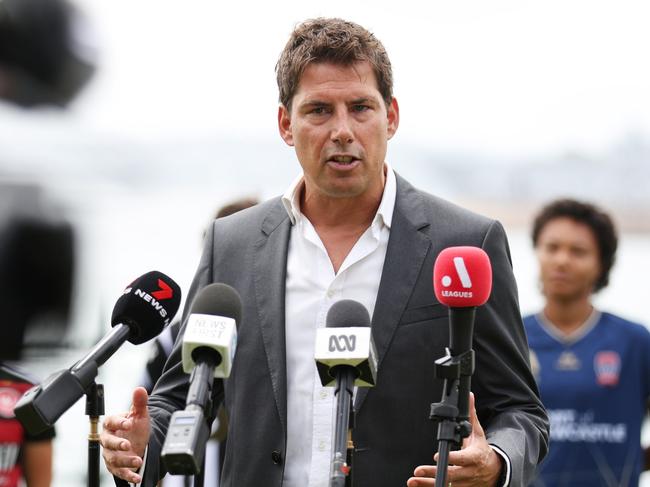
{"type": "Point", "coordinates": [607, 365]}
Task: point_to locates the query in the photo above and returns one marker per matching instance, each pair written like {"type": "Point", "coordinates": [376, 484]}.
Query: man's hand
{"type": "Point", "coordinates": [124, 438]}
{"type": "Point", "coordinates": [475, 465]}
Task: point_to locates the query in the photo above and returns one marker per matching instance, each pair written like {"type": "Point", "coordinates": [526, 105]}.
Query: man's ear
{"type": "Point", "coordinates": [393, 117]}
{"type": "Point", "coordinates": [284, 125]}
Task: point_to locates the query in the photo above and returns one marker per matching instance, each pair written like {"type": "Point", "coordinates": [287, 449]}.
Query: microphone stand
{"type": "Point", "coordinates": [342, 455]}
{"type": "Point", "coordinates": [94, 409]}
{"type": "Point", "coordinates": [199, 477]}
{"type": "Point", "coordinates": [452, 412]}
{"type": "Point", "coordinates": [350, 451]}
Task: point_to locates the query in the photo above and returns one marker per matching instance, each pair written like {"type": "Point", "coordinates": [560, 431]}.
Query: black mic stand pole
{"type": "Point", "coordinates": [340, 467]}
{"type": "Point", "coordinates": [350, 449]}
{"type": "Point", "coordinates": [452, 413]}
{"type": "Point", "coordinates": [199, 478]}
{"type": "Point", "coordinates": [94, 409]}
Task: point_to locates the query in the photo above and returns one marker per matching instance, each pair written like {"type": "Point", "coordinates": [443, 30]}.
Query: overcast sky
{"type": "Point", "coordinates": [503, 77]}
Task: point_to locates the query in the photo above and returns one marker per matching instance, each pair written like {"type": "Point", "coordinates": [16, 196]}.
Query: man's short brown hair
{"type": "Point", "coordinates": [334, 41]}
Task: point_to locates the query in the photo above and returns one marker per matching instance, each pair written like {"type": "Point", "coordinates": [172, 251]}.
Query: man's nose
{"type": "Point", "coordinates": [342, 132]}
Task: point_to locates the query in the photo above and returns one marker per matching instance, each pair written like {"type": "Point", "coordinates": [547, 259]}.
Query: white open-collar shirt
{"type": "Point", "coordinates": [311, 288]}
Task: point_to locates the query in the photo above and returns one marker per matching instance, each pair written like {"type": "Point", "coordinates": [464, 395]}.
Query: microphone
{"type": "Point", "coordinates": [462, 280]}
{"type": "Point", "coordinates": [346, 341]}
{"type": "Point", "coordinates": [208, 351]}
{"type": "Point", "coordinates": [146, 306]}
{"type": "Point", "coordinates": [345, 356]}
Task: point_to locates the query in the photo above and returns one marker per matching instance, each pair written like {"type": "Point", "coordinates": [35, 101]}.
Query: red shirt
{"type": "Point", "coordinates": [13, 437]}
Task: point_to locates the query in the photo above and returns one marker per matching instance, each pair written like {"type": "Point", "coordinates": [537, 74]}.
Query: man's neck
{"type": "Point", "coordinates": [340, 222]}
{"type": "Point", "coordinates": [326, 212]}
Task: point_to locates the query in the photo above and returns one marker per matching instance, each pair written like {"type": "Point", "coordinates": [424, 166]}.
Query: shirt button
{"type": "Point", "coordinates": [323, 393]}
{"type": "Point", "coordinates": [276, 456]}
{"type": "Point", "coordinates": [321, 445]}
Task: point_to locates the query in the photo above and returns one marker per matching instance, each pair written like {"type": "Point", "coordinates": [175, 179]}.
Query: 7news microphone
{"type": "Point", "coordinates": [208, 351]}
{"type": "Point", "coordinates": [146, 306]}
{"type": "Point", "coordinates": [345, 356]}
{"type": "Point", "coordinates": [462, 280]}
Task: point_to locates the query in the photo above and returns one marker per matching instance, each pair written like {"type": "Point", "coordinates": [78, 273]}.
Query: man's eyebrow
{"type": "Point", "coordinates": [359, 101]}
{"type": "Point", "coordinates": [308, 103]}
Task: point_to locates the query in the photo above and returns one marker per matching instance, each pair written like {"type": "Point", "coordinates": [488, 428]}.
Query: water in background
{"type": "Point", "coordinates": [125, 233]}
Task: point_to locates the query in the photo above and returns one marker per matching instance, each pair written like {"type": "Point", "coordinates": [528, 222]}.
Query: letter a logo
{"type": "Point", "coordinates": [461, 271]}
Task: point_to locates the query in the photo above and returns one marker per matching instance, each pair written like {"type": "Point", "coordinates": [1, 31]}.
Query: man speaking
{"type": "Point", "coordinates": [348, 228]}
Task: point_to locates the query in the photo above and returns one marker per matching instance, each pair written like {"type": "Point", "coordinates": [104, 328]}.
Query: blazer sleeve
{"type": "Point", "coordinates": [507, 398]}
{"type": "Point", "coordinates": [170, 392]}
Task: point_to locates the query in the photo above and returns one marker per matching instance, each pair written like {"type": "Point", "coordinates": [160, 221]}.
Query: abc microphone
{"type": "Point", "coordinates": [462, 280]}
{"type": "Point", "coordinates": [345, 356]}
{"type": "Point", "coordinates": [146, 306]}
{"type": "Point", "coordinates": [208, 351]}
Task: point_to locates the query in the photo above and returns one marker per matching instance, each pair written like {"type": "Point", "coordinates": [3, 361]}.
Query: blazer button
{"type": "Point", "coordinates": [276, 456]}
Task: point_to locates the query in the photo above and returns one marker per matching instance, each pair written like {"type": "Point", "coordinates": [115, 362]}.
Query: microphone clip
{"type": "Point", "coordinates": [453, 367]}
{"type": "Point", "coordinates": [450, 414]}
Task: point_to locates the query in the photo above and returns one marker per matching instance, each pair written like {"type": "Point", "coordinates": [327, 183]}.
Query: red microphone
{"type": "Point", "coordinates": [462, 277]}
{"type": "Point", "coordinates": [462, 280]}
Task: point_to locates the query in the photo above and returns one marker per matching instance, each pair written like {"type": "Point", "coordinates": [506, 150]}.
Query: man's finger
{"type": "Point", "coordinates": [420, 482]}
{"type": "Point", "coordinates": [114, 423]}
{"type": "Point", "coordinates": [115, 461]}
{"type": "Point", "coordinates": [128, 475]}
{"type": "Point", "coordinates": [463, 458]}
{"type": "Point", "coordinates": [114, 443]}
{"type": "Point", "coordinates": [425, 471]}
{"type": "Point", "coordinates": [139, 405]}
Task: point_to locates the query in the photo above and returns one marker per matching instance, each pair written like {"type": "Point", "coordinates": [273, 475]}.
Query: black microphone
{"type": "Point", "coordinates": [146, 306]}
{"type": "Point", "coordinates": [208, 350]}
{"type": "Point", "coordinates": [345, 355]}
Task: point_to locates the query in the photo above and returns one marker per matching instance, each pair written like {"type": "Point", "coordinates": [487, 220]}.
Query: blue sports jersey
{"type": "Point", "coordinates": [595, 386]}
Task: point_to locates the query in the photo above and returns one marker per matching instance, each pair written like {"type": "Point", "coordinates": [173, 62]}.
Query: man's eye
{"type": "Point", "coordinates": [319, 110]}
{"type": "Point", "coordinates": [360, 108]}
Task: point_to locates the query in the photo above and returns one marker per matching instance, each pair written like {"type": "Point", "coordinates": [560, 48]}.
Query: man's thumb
{"type": "Point", "coordinates": [139, 405]}
{"type": "Point", "coordinates": [477, 429]}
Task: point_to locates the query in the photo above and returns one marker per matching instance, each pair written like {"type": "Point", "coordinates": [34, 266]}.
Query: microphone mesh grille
{"type": "Point", "coordinates": [219, 300]}
{"type": "Point", "coordinates": [347, 313]}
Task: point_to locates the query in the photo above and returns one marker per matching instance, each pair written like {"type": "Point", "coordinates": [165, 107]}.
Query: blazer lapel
{"type": "Point", "coordinates": [407, 249]}
{"type": "Point", "coordinates": [270, 266]}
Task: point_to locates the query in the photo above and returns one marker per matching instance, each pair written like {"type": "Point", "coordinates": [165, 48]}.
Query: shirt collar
{"type": "Point", "coordinates": [291, 199]}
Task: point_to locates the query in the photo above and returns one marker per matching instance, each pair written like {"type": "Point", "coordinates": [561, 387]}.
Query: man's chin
{"type": "Point", "coordinates": [345, 192]}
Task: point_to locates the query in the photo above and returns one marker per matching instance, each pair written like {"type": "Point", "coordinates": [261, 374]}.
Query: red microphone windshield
{"type": "Point", "coordinates": [462, 277]}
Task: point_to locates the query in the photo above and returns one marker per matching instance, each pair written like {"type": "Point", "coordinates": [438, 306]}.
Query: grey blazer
{"type": "Point", "coordinates": [393, 433]}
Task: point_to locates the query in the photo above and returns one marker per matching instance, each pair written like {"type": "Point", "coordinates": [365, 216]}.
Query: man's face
{"type": "Point", "coordinates": [569, 259]}
{"type": "Point", "coordinates": [339, 125]}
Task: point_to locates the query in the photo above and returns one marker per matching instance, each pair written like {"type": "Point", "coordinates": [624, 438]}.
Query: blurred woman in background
{"type": "Point", "coordinates": [592, 367]}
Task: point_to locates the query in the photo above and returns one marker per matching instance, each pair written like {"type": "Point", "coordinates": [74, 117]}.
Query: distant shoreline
{"type": "Point", "coordinates": [520, 214]}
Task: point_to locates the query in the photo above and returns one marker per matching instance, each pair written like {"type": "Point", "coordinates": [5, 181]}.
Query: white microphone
{"type": "Point", "coordinates": [346, 342]}
{"type": "Point", "coordinates": [208, 350]}
{"type": "Point", "coordinates": [217, 334]}
{"type": "Point", "coordinates": [345, 356]}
